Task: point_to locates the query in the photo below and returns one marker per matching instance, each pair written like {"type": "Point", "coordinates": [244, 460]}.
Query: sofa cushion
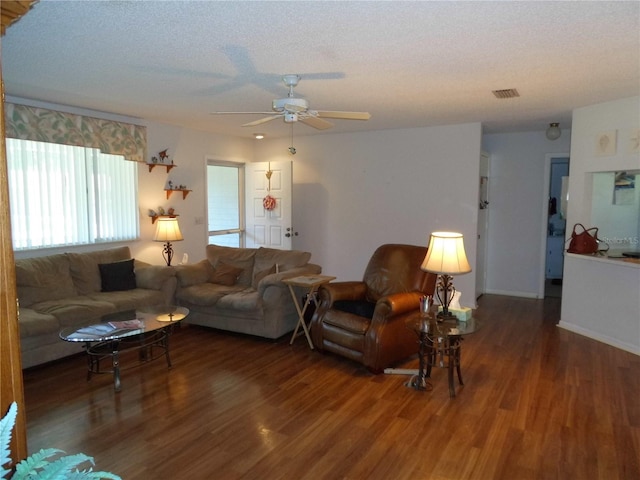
{"type": "Point", "coordinates": [285, 259]}
{"type": "Point", "coordinates": [193, 274]}
{"type": "Point", "coordinates": [225, 274]}
{"type": "Point", "coordinates": [152, 277]}
{"type": "Point", "coordinates": [205, 294]}
{"type": "Point", "coordinates": [75, 310]}
{"type": "Point", "coordinates": [347, 321]}
{"type": "Point", "coordinates": [84, 267]}
{"type": "Point", "coordinates": [259, 275]}
{"type": "Point", "coordinates": [117, 276]}
{"type": "Point", "coordinates": [34, 323]}
{"type": "Point", "coordinates": [245, 300]}
{"type": "Point", "coordinates": [43, 278]}
{"type": "Point", "coordinates": [131, 299]}
{"type": "Point", "coordinates": [238, 257]}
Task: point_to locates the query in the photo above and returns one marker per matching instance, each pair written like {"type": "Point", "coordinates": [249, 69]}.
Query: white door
{"type": "Point", "coordinates": [268, 228]}
{"type": "Point", "coordinates": [483, 226]}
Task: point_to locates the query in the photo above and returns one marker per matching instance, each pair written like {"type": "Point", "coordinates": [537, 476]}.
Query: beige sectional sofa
{"type": "Point", "coordinates": [241, 289]}
{"type": "Point", "coordinates": [65, 290]}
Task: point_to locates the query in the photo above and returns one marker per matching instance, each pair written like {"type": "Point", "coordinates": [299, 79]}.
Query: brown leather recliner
{"type": "Point", "coordinates": [365, 321]}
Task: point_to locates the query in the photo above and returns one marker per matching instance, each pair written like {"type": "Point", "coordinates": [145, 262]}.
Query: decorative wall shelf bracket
{"type": "Point", "coordinates": [156, 217]}
{"type": "Point", "coordinates": [184, 192]}
{"type": "Point", "coordinates": [169, 167]}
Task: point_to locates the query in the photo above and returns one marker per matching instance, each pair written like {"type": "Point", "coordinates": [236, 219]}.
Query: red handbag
{"type": "Point", "coordinates": [585, 242]}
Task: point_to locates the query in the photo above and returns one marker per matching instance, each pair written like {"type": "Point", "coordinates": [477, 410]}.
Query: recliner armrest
{"type": "Point", "coordinates": [332, 292]}
{"type": "Point", "coordinates": [398, 303]}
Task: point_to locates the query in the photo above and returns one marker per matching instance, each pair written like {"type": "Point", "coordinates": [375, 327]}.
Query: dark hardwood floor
{"type": "Point", "coordinates": [538, 402]}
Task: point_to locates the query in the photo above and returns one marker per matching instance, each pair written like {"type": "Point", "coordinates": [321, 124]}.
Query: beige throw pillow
{"type": "Point", "coordinates": [225, 274]}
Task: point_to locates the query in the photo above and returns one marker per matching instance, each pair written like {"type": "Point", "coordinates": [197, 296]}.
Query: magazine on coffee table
{"type": "Point", "coordinates": [108, 328]}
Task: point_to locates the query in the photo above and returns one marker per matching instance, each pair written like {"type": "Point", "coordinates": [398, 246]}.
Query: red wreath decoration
{"type": "Point", "coordinates": [268, 202]}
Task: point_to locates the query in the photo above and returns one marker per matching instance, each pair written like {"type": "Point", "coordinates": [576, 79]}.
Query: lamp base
{"type": "Point", "coordinates": [442, 317]}
{"type": "Point", "coordinates": [167, 253]}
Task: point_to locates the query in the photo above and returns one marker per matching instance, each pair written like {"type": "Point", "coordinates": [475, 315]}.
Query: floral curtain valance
{"type": "Point", "coordinates": [43, 125]}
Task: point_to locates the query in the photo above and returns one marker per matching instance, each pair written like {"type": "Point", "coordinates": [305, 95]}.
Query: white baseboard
{"type": "Point", "coordinates": [628, 347]}
{"type": "Point", "coordinates": [510, 293]}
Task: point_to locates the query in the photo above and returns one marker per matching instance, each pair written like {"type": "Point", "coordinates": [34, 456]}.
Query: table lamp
{"type": "Point", "coordinates": [168, 231]}
{"type": "Point", "coordinates": [446, 257]}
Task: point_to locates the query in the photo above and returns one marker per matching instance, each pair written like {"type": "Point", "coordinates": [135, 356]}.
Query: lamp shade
{"type": "Point", "coordinates": [446, 255]}
{"type": "Point", "coordinates": [168, 230]}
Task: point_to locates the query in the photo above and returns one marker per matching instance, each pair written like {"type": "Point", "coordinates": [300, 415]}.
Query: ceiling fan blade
{"type": "Point", "coordinates": [261, 121]}
{"type": "Point", "coordinates": [316, 122]}
{"type": "Point", "coordinates": [240, 113]}
{"type": "Point", "coordinates": [345, 115]}
{"type": "Point", "coordinates": [294, 108]}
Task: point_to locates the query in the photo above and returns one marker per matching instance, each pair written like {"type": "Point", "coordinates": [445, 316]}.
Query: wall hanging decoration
{"type": "Point", "coordinates": [268, 202]}
{"type": "Point", "coordinates": [606, 143]}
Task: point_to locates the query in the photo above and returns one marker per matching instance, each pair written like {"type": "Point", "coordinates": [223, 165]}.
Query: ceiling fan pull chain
{"type": "Point", "coordinates": [292, 149]}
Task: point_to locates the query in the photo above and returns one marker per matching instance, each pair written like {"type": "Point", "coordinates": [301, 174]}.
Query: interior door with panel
{"type": "Point", "coordinates": [269, 225]}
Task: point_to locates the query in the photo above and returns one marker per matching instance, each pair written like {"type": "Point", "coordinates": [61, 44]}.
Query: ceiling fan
{"type": "Point", "coordinates": [293, 109]}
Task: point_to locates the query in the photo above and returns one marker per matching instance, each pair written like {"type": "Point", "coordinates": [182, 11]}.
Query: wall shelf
{"type": "Point", "coordinates": [184, 192]}
{"type": "Point", "coordinates": [168, 167]}
{"type": "Point", "coordinates": [156, 217]}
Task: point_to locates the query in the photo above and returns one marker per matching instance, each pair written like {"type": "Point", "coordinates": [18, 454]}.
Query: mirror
{"type": "Point", "coordinates": [615, 209]}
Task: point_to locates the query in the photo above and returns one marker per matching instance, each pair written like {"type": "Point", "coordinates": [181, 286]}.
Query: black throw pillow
{"type": "Point", "coordinates": [117, 276]}
{"type": "Point", "coordinates": [361, 308]}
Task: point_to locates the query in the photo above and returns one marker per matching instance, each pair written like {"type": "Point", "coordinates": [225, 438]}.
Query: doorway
{"type": "Point", "coordinates": [554, 215]}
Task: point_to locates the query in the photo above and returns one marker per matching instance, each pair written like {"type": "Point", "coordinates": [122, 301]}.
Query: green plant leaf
{"type": "Point", "coordinates": [39, 465]}
{"type": "Point", "coordinates": [30, 465]}
{"type": "Point", "coordinates": [6, 426]}
{"type": "Point", "coordinates": [62, 468]}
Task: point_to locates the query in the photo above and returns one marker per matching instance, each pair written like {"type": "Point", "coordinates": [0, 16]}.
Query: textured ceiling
{"type": "Point", "coordinates": [410, 64]}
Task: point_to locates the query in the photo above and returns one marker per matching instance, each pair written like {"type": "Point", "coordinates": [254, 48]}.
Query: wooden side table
{"type": "Point", "coordinates": [312, 283]}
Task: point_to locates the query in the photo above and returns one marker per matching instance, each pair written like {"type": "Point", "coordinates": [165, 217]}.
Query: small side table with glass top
{"type": "Point", "coordinates": [439, 344]}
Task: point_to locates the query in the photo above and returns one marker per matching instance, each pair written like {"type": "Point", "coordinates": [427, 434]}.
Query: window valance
{"type": "Point", "coordinates": [43, 125]}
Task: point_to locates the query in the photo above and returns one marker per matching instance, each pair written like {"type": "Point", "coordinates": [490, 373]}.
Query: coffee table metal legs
{"type": "Point", "coordinates": [115, 361]}
{"type": "Point", "coordinates": [111, 348]}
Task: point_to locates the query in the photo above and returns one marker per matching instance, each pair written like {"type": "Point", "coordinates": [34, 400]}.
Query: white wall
{"type": "Point", "coordinates": [601, 298]}
{"type": "Point", "coordinates": [354, 192]}
{"type": "Point", "coordinates": [188, 148]}
{"type": "Point", "coordinates": [516, 191]}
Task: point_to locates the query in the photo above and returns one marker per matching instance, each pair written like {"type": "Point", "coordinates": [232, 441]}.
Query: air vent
{"type": "Point", "coordinates": [507, 93]}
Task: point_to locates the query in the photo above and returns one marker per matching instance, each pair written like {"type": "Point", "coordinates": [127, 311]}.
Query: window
{"type": "Point", "coordinates": [224, 203]}
{"type": "Point", "coordinates": [65, 195]}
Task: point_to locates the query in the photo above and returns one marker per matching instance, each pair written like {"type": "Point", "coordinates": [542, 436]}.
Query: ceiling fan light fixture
{"type": "Point", "coordinates": [293, 109]}
{"type": "Point", "coordinates": [553, 132]}
{"type": "Point", "coordinates": [258, 136]}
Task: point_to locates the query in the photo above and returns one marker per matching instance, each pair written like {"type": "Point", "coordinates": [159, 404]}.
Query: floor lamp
{"type": "Point", "coordinates": [168, 231]}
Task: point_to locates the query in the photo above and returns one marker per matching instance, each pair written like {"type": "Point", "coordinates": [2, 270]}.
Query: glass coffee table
{"type": "Point", "coordinates": [146, 330]}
